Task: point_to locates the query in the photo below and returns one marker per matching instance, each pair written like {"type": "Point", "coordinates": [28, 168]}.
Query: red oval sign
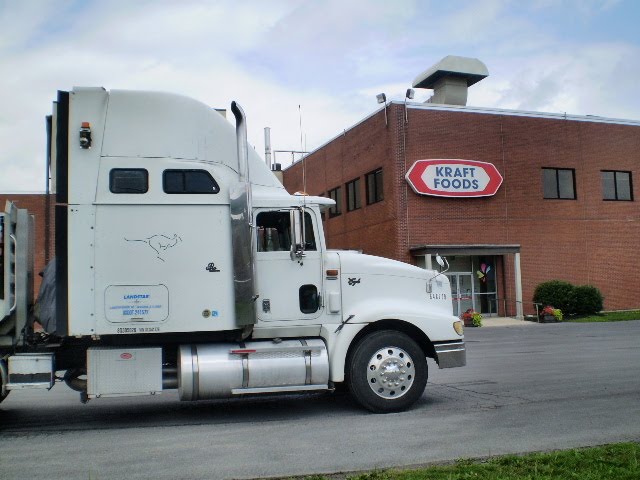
{"type": "Point", "coordinates": [454, 178]}
{"type": "Point", "coordinates": [126, 356]}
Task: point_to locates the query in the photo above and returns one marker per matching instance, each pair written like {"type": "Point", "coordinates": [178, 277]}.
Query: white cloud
{"type": "Point", "coordinates": [331, 57]}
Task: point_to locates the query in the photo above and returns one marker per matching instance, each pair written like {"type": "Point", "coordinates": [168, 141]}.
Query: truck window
{"type": "Point", "coordinates": [309, 300]}
{"type": "Point", "coordinates": [189, 181]}
{"type": "Point", "coordinates": [273, 230]}
{"type": "Point", "coordinates": [128, 180]}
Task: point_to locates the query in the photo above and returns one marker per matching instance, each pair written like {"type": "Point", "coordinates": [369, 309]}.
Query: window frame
{"type": "Point", "coordinates": [311, 244]}
{"type": "Point", "coordinates": [557, 175]}
{"type": "Point", "coordinates": [119, 169]}
{"type": "Point", "coordinates": [184, 171]}
{"type": "Point", "coordinates": [378, 194]}
{"type": "Point", "coordinates": [354, 203]}
{"type": "Point", "coordinates": [615, 186]}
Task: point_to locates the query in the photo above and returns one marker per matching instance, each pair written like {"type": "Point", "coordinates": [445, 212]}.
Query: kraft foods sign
{"type": "Point", "coordinates": [454, 178]}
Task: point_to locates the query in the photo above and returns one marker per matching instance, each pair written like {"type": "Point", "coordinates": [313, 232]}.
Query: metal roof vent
{"type": "Point", "coordinates": [450, 79]}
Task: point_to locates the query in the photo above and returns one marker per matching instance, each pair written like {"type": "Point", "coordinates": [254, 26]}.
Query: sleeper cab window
{"type": "Point", "coordinates": [189, 181]}
{"type": "Point", "coordinates": [128, 180]}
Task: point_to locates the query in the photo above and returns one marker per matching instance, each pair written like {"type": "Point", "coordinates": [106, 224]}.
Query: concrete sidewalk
{"type": "Point", "coordinates": [503, 322]}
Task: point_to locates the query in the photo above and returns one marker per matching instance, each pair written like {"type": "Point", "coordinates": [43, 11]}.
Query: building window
{"type": "Point", "coordinates": [353, 195]}
{"type": "Point", "coordinates": [374, 186]}
{"type": "Point", "coordinates": [616, 185]}
{"type": "Point", "coordinates": [188, 181]}
{"type": "Point", "coordinates": [335, 195]}
{"type": "Point", "coordinates": [559, 183]}
{"type": "Point", "coordinates": [128, 180]}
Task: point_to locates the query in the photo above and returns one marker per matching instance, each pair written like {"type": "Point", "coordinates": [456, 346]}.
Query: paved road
{"type": "Point", "coordinates": [525, 388]}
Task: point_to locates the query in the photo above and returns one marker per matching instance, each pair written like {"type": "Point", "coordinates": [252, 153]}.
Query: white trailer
{"type": "Point", "coordinates": [182, 262]}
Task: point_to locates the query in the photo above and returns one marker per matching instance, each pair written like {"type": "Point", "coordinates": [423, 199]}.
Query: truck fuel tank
{"type": "Point", "coordinates": [224, 370]}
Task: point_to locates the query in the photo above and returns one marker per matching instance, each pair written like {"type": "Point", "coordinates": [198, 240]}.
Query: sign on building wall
{"type": "Point", "coordinates": [454, 178]}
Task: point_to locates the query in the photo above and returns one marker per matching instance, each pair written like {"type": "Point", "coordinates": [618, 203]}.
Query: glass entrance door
{"type": "Point", "coordinates": [461, 292]}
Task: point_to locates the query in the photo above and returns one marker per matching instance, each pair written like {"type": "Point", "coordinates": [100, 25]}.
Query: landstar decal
{"type": "Point", "coordinates": [159, 243]}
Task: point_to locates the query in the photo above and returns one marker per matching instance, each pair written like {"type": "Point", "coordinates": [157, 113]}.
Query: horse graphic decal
{"type": "Point", "coordinates": [159, 243]}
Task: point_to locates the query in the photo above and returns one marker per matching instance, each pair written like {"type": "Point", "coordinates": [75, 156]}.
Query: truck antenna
{"type": "Point", "coordinates": [302, 149]}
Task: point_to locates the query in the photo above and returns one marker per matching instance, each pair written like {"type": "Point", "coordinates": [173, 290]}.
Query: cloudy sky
{"type": "Point", "coordinates": [331, 57]}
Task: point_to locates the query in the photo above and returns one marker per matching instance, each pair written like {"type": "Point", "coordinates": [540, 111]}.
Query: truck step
{"type": "Point", "coordinates": [31, 370]}
{"type": "Point", "coordinates": [288, 388]}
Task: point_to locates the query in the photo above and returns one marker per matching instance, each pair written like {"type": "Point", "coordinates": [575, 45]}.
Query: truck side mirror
{"type": "Point", "coordinates": [444, 263]}
{"type": "Point", "coordinates": [297, 233]}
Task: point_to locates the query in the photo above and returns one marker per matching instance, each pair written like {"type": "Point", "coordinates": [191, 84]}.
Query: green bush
{"type": "Point", "coordinates": [588, 300]}
{"type": "Point", "coordinates": [558, 294]}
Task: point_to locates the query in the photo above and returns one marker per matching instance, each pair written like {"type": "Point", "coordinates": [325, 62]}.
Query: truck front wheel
{"type": "Point", "coordinates": [386, 371]}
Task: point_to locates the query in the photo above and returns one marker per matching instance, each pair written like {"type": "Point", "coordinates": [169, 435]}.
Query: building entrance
{"type": "Point", "coordinates": [476, 271]}
{"type": "Point", "coordinates": [473, 284]}
{"type": "Point", "coordinates": [461, 292]}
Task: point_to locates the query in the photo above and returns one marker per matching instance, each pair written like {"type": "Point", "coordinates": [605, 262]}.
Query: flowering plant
{"type": "Point", "coordinates": [472, 318]}
{"type": "Point", "coordinates": [549, 310]}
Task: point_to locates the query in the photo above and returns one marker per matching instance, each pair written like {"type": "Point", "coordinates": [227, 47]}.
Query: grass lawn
{"type": "Point", "coordinates": [606, 317]}
{"type": "Point", "coordinates": [618, 461]}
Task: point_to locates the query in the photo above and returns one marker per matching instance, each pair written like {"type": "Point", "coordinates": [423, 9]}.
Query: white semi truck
{"type": "Point", "coordinates": [181, 262]}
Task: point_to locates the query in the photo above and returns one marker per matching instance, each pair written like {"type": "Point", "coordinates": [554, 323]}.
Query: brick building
{"type": "Point", "coordinates": [37, 204]}
{"type": "Point", "coordinates": [566, 208]}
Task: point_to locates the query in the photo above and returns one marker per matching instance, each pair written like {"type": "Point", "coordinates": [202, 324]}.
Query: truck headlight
{"type": "Point", "coordinates": [458, 327]}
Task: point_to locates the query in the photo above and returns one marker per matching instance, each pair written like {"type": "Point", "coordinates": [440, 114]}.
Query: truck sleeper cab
{"type": "Point", "coordinates": [181, 262]}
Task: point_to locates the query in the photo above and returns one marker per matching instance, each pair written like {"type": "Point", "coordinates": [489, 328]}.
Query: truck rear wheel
{"type": "Point", "coordinates": [386, 371]}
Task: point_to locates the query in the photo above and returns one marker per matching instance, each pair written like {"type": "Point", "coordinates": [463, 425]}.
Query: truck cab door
{"type": "Point", "coordinates": [288, 287]}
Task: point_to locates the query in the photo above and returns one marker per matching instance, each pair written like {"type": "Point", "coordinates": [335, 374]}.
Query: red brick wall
{"type": "Point", "coordinates": [36, 204]}
{"type": "Point", "coordinates": [363, 149]}
{"type": "Point", "coordinates": [584, 241]}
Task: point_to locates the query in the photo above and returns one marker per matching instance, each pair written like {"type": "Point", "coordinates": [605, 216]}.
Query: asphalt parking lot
{"type": "Point", "coordinates": [526, 388]}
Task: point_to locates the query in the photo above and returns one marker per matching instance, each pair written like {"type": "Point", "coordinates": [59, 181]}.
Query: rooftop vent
{"type": "Point", "coordinates": [450, 79]}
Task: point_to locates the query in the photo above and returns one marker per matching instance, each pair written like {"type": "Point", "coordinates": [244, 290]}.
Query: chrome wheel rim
{"type": "Point", "coordinates": [390, 372]}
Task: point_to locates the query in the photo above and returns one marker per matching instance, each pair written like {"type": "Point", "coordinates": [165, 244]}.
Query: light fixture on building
{"type": "Point", "coordinates": [408, 96]}
{"type": "Point", "coordinates": [382, 98]}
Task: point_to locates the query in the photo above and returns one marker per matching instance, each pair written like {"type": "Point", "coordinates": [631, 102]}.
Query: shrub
{"type": "Point", "coordinates": [588, 299]}
{"type": "Point", "coordinates": [558, 293]}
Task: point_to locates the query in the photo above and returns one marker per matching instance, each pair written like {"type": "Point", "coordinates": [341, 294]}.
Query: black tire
{"type": "Point", "coordinates": [386, 371]}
